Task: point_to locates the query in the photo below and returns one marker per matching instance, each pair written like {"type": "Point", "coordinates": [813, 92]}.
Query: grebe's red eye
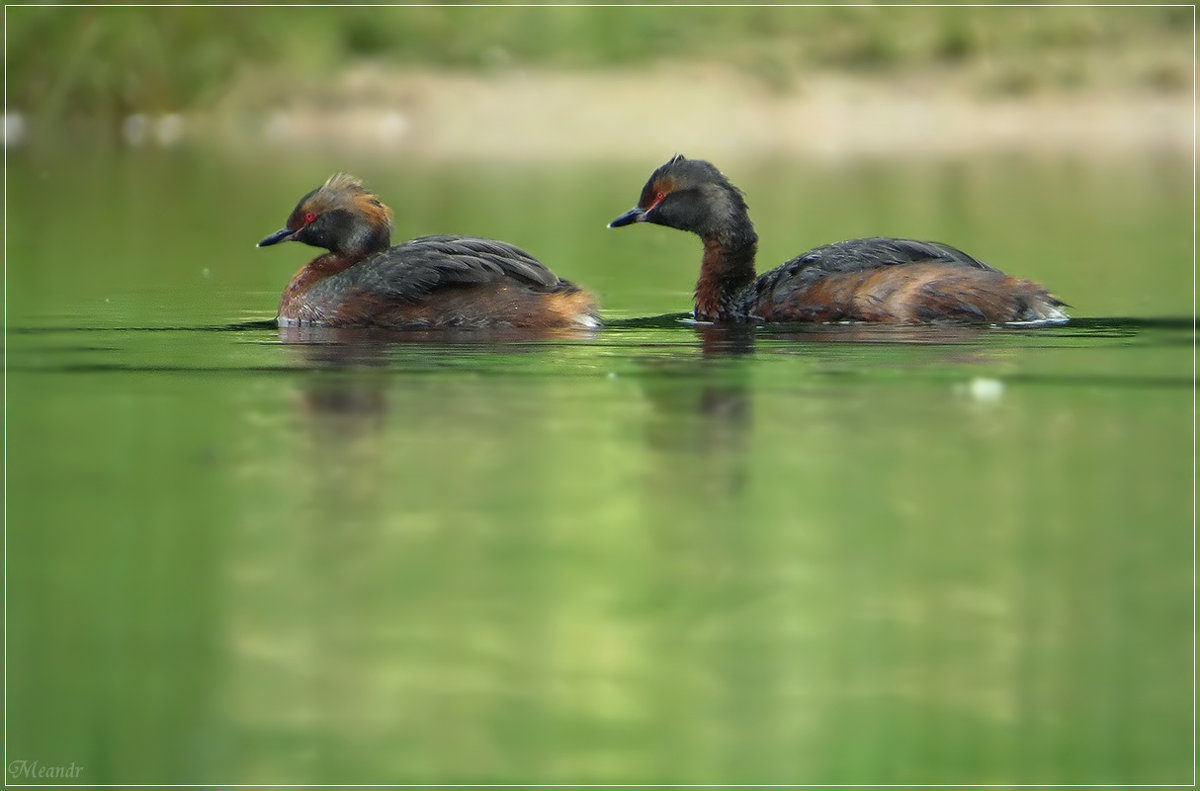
{"type": "Point", "coordinates": [657, 200]}
{"type": "Point", "coordinates": [309, 217]}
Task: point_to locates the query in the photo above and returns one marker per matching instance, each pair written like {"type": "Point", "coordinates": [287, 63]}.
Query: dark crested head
{"type": "Point", "coordinates": [341, 216]}
{"type": "Point", "coordinates": [691, 195]}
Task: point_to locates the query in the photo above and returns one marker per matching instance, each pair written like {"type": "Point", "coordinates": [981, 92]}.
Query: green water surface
{"type": "Point", "coordinates": [657, 553]}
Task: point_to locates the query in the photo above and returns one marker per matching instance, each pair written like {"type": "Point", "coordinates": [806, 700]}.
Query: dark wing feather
{"type": "Point", "coordinates": [418, 267]}
{"type": "Point", "coordinates": [855, 255]}
{"type": "Point", "coordinates": [957, 287]}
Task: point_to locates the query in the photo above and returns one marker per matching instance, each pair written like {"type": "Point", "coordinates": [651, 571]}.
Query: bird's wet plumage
{"type": "Point", "coordinates": [877, 279]}
{"type": "Point", "coordinates": [427, 282]}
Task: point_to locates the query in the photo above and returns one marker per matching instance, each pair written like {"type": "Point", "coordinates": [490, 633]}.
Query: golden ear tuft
{"type": "Point", "coordinates": [344, 181]}
{"type": "Point", "coordinates": [343, 191]}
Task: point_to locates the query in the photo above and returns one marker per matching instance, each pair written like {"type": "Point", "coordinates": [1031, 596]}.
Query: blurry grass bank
{"type": "Point", "coordinates": [577, 81]}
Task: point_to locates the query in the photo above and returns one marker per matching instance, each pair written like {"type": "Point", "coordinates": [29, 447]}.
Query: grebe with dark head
{"type": "Point", "coordinates": [876, 279]}
{"type": "Point", "coordinates": [427, 282]}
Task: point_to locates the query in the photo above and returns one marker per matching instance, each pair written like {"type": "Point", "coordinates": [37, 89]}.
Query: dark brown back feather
{"type": "Point", "coordinates": [413, 270]}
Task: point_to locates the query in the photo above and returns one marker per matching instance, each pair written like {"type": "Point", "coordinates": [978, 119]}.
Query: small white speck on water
{"type": "Point", "coordinates": [983, 389]}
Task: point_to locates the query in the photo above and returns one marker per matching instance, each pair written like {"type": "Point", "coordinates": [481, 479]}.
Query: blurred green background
{"type": "Point", "coordinates": [660, 553]}
{"type": "Point", "coordinates": [110, 62]}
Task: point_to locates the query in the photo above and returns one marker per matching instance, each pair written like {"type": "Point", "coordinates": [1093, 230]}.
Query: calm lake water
{"type": "Point", "coordinates": [654, 553]}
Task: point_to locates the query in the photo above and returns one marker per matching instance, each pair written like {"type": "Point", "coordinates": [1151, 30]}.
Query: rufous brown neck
{"type": "Point", "coordinates": [725, 270]}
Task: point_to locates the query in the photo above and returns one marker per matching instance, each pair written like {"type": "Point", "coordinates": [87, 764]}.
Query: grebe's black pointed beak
{"type": "Point", "coordinates": [282, 235]}
{"type": "Point", "coordinates": [635, 214]}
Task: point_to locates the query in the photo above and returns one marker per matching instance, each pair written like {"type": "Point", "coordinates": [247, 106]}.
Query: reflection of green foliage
{"type": "Point", "coordinates": [113, 61]}
{"type": "Point", "coordinates": [632, 559]}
